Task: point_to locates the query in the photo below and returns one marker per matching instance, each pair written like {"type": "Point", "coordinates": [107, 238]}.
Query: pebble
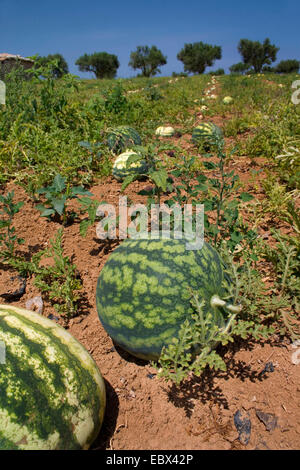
{"type": "Point", "coordinates": [269, 419]}
{"type": "Point", "coordinates": [243, 425]}
{"type": "Point", "coordinates": [36, 305]}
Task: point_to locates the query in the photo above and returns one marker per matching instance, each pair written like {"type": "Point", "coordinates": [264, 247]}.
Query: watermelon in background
{"type": "Point", "coordinates": [121, 138]}
{"type": "Point", "coordinates": [52, 394]}
{"type": "Point", "coordinates": [205, 133]}
{"type": "Point", "coordinates": [165, 131]}
{"type": "Point", "coordinates": [227, 100]}
{"type": "Point", "coordinates": [142, 292]}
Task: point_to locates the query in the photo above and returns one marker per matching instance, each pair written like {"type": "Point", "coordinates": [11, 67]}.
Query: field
{"type": "Point", "coordinates": [54, 132]}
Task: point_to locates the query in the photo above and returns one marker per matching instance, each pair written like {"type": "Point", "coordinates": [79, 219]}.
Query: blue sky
{"type": "Point", "coordinates": [73, 27]}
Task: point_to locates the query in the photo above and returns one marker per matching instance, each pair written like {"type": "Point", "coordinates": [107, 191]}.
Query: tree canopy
{"type": "Point", "coordinates": [56, 64]}
{"type": "Point", "coordinates": [147, 59]}
{"type": "Point", "coordinates": [240, 67]}
{"type": "Point", "coordinates": [102, 64]}
{"type": "Point", "coordinates": [198, 55]}
{"type": "Point", "coordinates": [288, 66]}
{"type": "Point", "coordinates": [256, 54]}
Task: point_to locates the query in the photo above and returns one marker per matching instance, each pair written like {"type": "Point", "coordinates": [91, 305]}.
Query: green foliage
{"type": "Point", "coordinates": [177, 362]}
{"type": "Point", "coordinates": [57, 195]}
{"type": "Point", "coordinates": [239, 68]}
{"type": "Point", "coordinates": [8, 237]}
{"type": "Point", "coordinates": [152, 93]}
{"type": "Point", "coordinates": [94, 151]}
{"type": "Point", "coordinates": [55, 63]}
{"type": "Point", "coordinates": [147, 59]}
{"type": "Point", "coordinates": [156, 173]}
{"type": "Point", "coordinates": [217, 72]}
{"type": "Point", "coordinates": [285, 257]}
{"type": "Point", "coordinates": [278, 203]}
{"type": "Point", "coordinates": [197, 56]}
{"type": "Point", "coordinates": [288, 66]}
{"type": "Point", "coordinates": [90, 206]}
{"type": "Point", "coordinates": [218, 194]}
{"type": "Point", "coordinates": [59, 282]}
{"type": "Point", "coordinates": [289, 163]}
{"type": "Point", "coordinates": [102, 64]}
{"type": "Point", "coordinates": [256, 54]}
{"type": "Point", "coordinates": [115, 100]}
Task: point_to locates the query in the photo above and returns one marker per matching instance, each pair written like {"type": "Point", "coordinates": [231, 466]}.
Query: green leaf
{"type": "Point", "coordinates": [47, 212]}
{"type": "Point", "coordinates": [201, 187]}
{"type": "Point", "coordinates": [208, 205]}
{"type": "Point", "coordinates": [210, 165]}
{"type": "Point", "coordinates": [59, 183]}
{"type": "Point", "coordinates": [83, 227]}
{"type": "Point", "coordinates": [159, 178]}
{"type": "Point", "coordinates": [133, 159]}
{"type": "Point", "coordinates": [59, 205]}
{"type": "Point", "coordinates": [202, 179]}
{"type": "Point", "coordinates": [86, 145]}
{"type": "Point", "coordinates": [81, 191]}
{"type": "Point", "coordinates": [176, 173]}
{"type": "Point", "coordinates": [245, 197]}
{"type": "Point", "coordinates": [129, 179]}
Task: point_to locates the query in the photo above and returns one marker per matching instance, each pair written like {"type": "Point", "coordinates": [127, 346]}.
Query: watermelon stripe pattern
{"type": "Point", "coordinates": [204, 133]}
{"type": "Point", "coordinates": [120, 169]}
{"type": "Point", "coordinates": [52, 395]}
{"type": "Point", "coordinates": [122, 137]}
{"type": "Point", "coordinates": [142, 292]}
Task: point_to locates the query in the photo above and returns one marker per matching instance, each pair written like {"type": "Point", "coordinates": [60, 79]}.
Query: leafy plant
{"type": "Point", "coordinates": [90, 206]}
{"type": "Point", "coordinates": [177, 361]}
{"type": "Point", "coordinates": [115, 100]}
{"type": "Point", "coordinates": [8, 237]}
{"type": "Point", "coordinates": [156, 174]}
{"type": "Point", "coordinates": [59, 281]}
{"type": "Point", "coordinates": [94, 151]}
{"type": "Point", "coordinates": [57, 195]}
{"type": "Point", "coordinates": [152, 93]}
{"type": "Point", "coordinates": [218, 195]}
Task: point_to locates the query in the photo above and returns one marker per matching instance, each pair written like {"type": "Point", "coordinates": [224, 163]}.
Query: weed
{"type": "Point", "coordinates": [59, 281]}
{"type": "Point", "coordinates": [8, 237]}
{"type": "Point", "coordinates": [57, 195]}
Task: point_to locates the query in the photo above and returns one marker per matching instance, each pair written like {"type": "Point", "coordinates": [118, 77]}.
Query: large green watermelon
{"type": "Point", "coordinates": [142, 292]}
{"type": "Point", "coordinates": [52, 395]}
{"type": "Point", "coordinates": [205, 133]}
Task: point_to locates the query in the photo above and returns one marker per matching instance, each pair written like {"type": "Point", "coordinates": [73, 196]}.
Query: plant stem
{"type": "Point", "coordinates": [286, 270]}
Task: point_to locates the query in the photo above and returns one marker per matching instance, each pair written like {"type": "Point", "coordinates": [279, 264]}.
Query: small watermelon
{"type": "Point", "coordinates": [165, 131]}
{"type": "Point", "coordinates": [205, 132]}
{"type": "Point", "coordinates": [120, 170]}
{"type": "Point", "coordinates": [142, 293]}
{"type": "Point", "coordinates": [227, 100]}
{"type": "Point", "coordinates": [121, 138]}
{"type": "Point", "coordinates": [52, 394]}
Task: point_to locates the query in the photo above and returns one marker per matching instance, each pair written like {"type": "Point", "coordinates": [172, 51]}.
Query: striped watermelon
{"type": "Point", "coordinates": [204, 132]}
{"type": "Point", "coordinates": [52, 395]}
{"type": "Point", "coordinates": [121, 138]}
{"type": "Point", "coordinates": [165, 131]}
{"type": "Point", "coordinates": [227, 100]}
{"type": "Point", "coordinates": [142, 292]}
{"type": "Point", "coordinates": [120, 170]}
